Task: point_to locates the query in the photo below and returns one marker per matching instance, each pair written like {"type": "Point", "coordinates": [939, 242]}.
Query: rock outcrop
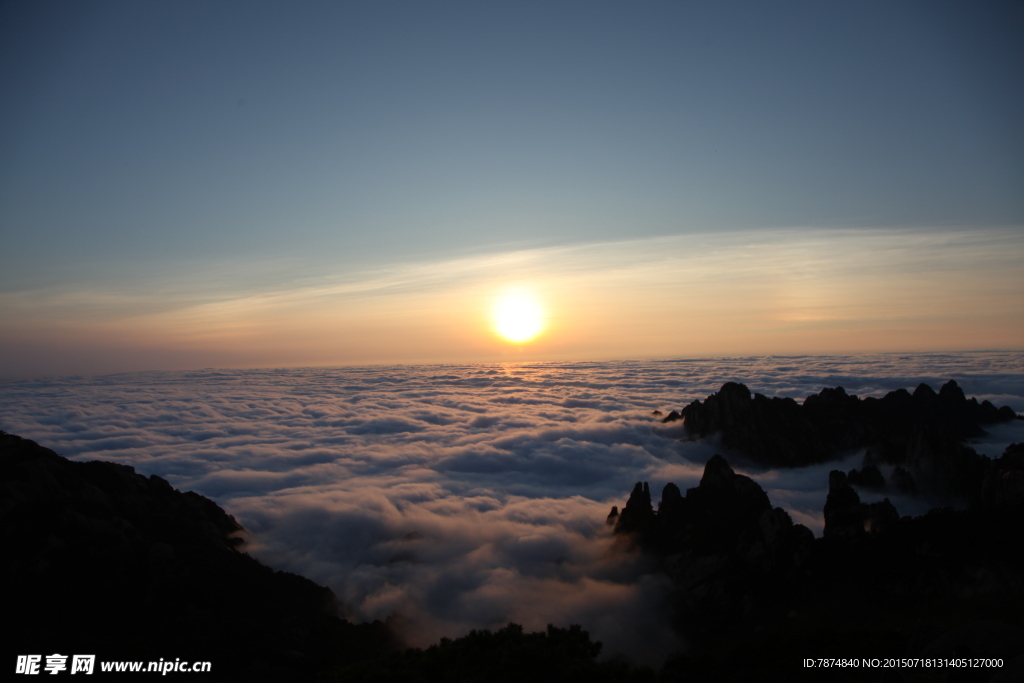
{"type": "Point", "coordinates": [921, 434]}
{"type": "Point", "coordinates": [847, 517]}
{"type": "Point", "coordinates": [750, 583]}
{"type": "Point", "coordinates": [779, 432]}
{"type": "Point", "coordinates": [868, 477]}
{"type": "Point", "coordinates": [1002, 490]}
{"type": "Point", "coordinates": [770, 430]}
{"type": "Point", "coordinates": [721, 544]}
{"type": "Point", "coordinates": [637, 514]}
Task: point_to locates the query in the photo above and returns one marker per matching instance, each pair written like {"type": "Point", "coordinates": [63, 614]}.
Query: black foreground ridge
{"type": "Point", "coordinates": [101, 560]}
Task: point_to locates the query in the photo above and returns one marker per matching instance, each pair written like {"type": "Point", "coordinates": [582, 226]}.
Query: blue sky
{"type": "Point", "coordinates": [147, 147]}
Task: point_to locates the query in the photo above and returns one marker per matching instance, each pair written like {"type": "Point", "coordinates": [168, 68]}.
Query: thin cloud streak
{"type": "Point", "coordinates": [783, 291]}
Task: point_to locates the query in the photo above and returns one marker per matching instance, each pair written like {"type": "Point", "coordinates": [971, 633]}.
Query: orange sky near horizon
{"type": "Point", "coordinates": [784, 292]}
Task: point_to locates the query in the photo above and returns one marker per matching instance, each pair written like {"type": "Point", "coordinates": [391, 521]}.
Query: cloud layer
{"type": "Point", "coordinates": [459, 496]}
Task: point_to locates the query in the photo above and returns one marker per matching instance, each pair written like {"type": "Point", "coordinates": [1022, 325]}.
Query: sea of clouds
{"type": "Point", "coordinates": [460, 497]}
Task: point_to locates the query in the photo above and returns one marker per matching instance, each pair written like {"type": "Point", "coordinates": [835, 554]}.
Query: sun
{"type": "Point", "coordinates": [517, 316]}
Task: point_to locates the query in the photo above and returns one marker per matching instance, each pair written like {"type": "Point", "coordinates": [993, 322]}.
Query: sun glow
{"type": "Point", "coordinates": [518, 317]}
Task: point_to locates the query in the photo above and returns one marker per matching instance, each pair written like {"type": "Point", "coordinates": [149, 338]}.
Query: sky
{"type": "Point", "coordinates": [466, 496]}
{"type": "Point", "coordinates": [257, 184]}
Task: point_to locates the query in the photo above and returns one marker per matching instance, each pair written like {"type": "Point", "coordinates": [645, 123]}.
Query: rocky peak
{"type": "Point", "coordinates": [924, 393]}
{"type": "Point", "coordinates": [638, 514]}
{"type": "Point", "coordinates": [717, 474]}
{"type": "Point", "coordinates": [952, 393]}
{"type": "Point", "coordinates": [847, 517]}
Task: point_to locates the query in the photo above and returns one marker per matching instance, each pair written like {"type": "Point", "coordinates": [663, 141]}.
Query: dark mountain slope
{"type": "Point", "coordinates": [100, 560]}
